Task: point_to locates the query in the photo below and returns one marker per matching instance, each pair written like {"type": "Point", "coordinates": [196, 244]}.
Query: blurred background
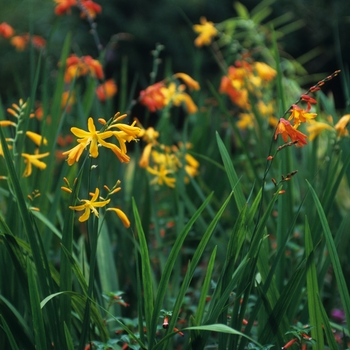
{"type": "Point", "coordinates": [317, 36]}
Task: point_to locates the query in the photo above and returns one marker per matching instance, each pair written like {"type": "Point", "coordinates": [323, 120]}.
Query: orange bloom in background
{"type": "Point", "coordinates": [106, 90]}
{"type": "Point", "coordinates": [299, 115]}
{"type": "Point", "coordinates": [234, 89]}
{"type": "Point", "coordinates": [38, 41]}
{"type": "Point", "coordinates": [79, 66]}
{"type": "Point", "coordinates": [6, 31]}
{"type": "Point", "coordinates": [206, 30]}
{"type": "Point", "coordinates": [91, 7]}
{"type": "Point", "coordinates": [152, 97]}
{"type": "Point", "coordinates": [68, 99]}
{"type": "Point", "coordinates": [64, 6]}
{"type": "Point", "coordinates": [340, 127]}
{"type": "Point", "coordinates": [20, 42]}
{"type": "Point", "coordinates": [287, 130]}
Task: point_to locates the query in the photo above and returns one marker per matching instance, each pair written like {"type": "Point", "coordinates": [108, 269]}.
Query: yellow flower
{"type": "Point", "coordinates": [246, 120]}
{"type": "Point", "coordinates": [176, 95]}
{"type": "Point", "coordinates": [36, 138]}
{"type": "Point", "coordinates": [161, 176]}
{"type": "Point", "coordinates": [264, 71]}
{"type": "Point", "coordinates": [190, 82]}
{"type": "Point", "coordinates": [315, 128]}
{"type": "Point", "coordinates": [89, 206]}
{"type": "Point", "coordinates": [206, 31]}
{"type": "Point", "coordinates": [33, 159]}
{"type": "Point", "coordinates": [92, 138]}
{"type": "Point", "coordinates": [122, 216]}
{"type": "Point", "coordinates": [300, 115]}
{"type": "Point", "coordinates": [340, 127]}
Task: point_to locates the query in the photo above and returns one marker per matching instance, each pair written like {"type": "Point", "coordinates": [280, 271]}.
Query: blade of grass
{"type": "Point", "coordinates": [192, 266]}
{"type": "Point", "coordinates": [205, 288]}
{"type": "Point", "coordinates": [9, 334]}
{"type": "Point", "coordinates": [146, 274]}
{"type": "Point", "coordinates": [168, 268]}
{"type": "Point", "coordinates": [313, 292]}
{"type": "Point", "coordinates": [38, 322]}
{"type": "Point", "coordinates": [343, 290]}
{"type": "Point", "coordinates": [231, 174]}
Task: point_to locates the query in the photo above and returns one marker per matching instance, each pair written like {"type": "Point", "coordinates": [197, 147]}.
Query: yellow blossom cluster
{"type": "Point", "coordinates": [157, 96]}
{"type": "Point", "coordinates": [94, 138]}
{"type": "Point", "coordinates": [244, 81]}
{"type": "Point", "coordinates": [163, 162]}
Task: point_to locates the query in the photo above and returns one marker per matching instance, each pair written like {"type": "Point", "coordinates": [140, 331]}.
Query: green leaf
{"type": "Point", "coordinates": [313, 293]}
{"type": "Point", "coordinates": [205, 287]}
{"type": "Point", "coordinates": [343, 290]}
{"type": "Point", "coordinates": [146, 274]}
{"type": "Point", "coordinates": [231, 174]}
{"type": "Point", "coordinates": [241, 10]}
{"type": "Point", "coordinates": [38, 322]}
{"type": "Point", "coordinates": [169, 266]}
{"type": "Point", "coordinates": [7, 331]}
{"type": "Point", "coordinates": [222, 329]}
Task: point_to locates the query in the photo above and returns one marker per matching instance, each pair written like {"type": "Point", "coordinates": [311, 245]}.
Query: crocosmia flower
{"type": "Point", "coordinates": [206, 31]}
{"type": "Point", "coordinates": [287, 130]}
{"type": "Point", "coordinates": [106, 90]}
{"type": "Point", "coordinates": [340, 127]}
{"type": "Point", "coordinates": [79, 66]}
{"type": "Point", "coordinates": [152, 97]}
{"type": "Point", "coordinates": [89, 206]}
{"type": "Point", "coordinates": [64, 6]}
{"type": "Point", "coordinates": [6, 31]}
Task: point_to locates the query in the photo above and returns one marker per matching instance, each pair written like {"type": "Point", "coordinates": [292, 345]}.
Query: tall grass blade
{"type": "Point", "coordinates": [313, 293]}
{"type": "Point", "coordinates": [343, 290]}
{"type": "Point", "coordinates": [146, 273]}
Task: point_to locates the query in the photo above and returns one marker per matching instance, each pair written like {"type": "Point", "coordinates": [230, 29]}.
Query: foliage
{"type": "Point", "coordinates": [189, 214]}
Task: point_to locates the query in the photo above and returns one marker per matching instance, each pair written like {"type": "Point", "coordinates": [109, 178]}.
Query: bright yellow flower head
{"type": "Point", "coordinates": [206, 31]}
{"type": "Point", "coordinates": [340, 127]}
{"type": "Point", "coordinates": [93, 138]}
{"type": "Point", "coordinates": [300, 115]}
{"type": "Point", "coordinates": [265, 72]}
{"type": "Point", "coordinates": [161, 176]}
{"type": "Point", "coordinates": [315, 128]}
{"type": "Point", "coordinates": [33, 159]}
{"type": "Point", "coordinates": [89, 206]}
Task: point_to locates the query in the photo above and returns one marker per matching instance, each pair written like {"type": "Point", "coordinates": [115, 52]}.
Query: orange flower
{"type": "Point", "coordinates": [64, 6]}
{"type": "Point", "coordinates": [152, 97]}
{"type": "Point", "coordinates": [79, 66]}
{"type": "Point", "coordinates": [38, 41]}
{"type": "Point", "coordinates": [106, 90]}
{"type": "Point", "coordinates": [233, 89]}
{"type": "Point", "coordinates": [206, 31]}
{"type": "Point", "coordinates": [6, 30]}
{"type": "Point", "coordinates": [287, 130]}
{"type": "Point", "coordinates": [20, 42]}
{"type": "Point", "coordinates": [91, 8]}
{"type": "Point", "coordinates": [300, 115]}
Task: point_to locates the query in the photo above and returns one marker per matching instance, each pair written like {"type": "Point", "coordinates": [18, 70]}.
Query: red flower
{"type": "Point", "coordinates": [152, 97]}
{"type": "Point", "coordinates": [6, 30]}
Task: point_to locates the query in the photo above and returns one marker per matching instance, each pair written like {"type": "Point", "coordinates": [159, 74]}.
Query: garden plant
{"type": "Point", "coordinates": [191, 211]}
